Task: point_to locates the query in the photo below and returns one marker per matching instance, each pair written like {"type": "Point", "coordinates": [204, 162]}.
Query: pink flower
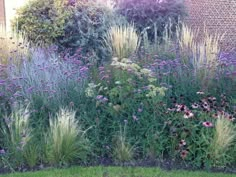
{"type": "Point", "coordinates": [184, 154]}
{"type": "Point", "coordinates": [182, 143]}
{"type": "Point", "coordinates": [181, 107]}
{"type": "Point", "coordinates": [135, 118]}
{"type": "Point", "coordinates": [188, 114]}
{"type": "Point", "coordinates": [207, 124]}
{"type": "Point", "coordinates": [195, 106]}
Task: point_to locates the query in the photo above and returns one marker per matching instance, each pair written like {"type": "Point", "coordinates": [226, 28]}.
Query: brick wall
{"type": "Point", "coordinates": [2, 13]}
{"type": "Point", "coordinates": [219, 16]}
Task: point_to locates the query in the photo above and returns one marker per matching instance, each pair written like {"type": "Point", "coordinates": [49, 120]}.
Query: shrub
{"type": "Point", "coordinates": [42, 21]}
{"type": "Point", "coordinates": [87, 28]}
{"type": "Point", "coordinates": [65, 140]}
{"type": "Point", "coordinates": [123, 40]}
{"type": "Point", "coordinates": [146, 13]}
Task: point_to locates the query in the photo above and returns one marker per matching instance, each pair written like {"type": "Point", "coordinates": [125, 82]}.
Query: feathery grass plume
{"type": "Point", "coordinates": [13, 47]}
{"type": "Point", "coordinates": [185, 37]}
{"type": "Point", "coordinates": [65, 140]}
{"type": "Point", "coordinates": [123, 40]}
{"type": "Point", "coordinates": [201, 54]}
{"type": "Point", "coordinates": [224, 137]}
{"type": "Point", "coordinates": [123, 151]}
{"type": "Point", "coordinates": [17, 133]}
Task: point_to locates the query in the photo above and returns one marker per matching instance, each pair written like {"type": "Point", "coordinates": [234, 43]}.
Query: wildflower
{"type": "Point", "coordinates": [117, 82]}
{"type": "Point", "coordinates": [195, 105]}
{"type": "Point", "coordinates": [182, 143]}
{"type": "Point", "coordinates": [184, 154]}
{"type": "Point", "coordinates": [99, 97]}
{"type": "Point", "coordinates": [140, 110]}
{"type": "Point", "coordinates": [200, 93]}
{"type": "Point", "coordinates": [215, 115]}
{"type": "Point", "coordinates": [188, 114]}
{"type": "Point", "coordinates": [171, 109]}
{"type": "Point", "coordinates": [2, 151]}
{"type": "Point", "coordinates": [105, 99]}
{"type": "Point", "coordinates": [135, 118]}
{"type": "Point", "coordinates": [181, 107]}
{"type": "Point", "coordinates": [230, 118]}
{"type": "Point", "coordinates": [207, 124]}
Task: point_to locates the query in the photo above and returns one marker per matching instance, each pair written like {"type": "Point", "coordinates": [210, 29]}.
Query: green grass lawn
{"type": "Point", "coordinates": [115, 172]}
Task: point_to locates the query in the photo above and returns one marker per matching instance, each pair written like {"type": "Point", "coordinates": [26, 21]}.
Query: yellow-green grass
{"type": "Point", "coordinates": [115, 172]}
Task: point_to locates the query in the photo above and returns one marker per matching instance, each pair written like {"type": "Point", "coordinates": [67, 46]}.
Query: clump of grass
{"type": "Point", "coordinates": [31, 155]}
{"type": "Point", "coordinates": [123, 40]}
{"type": "Point", "coordinates": [17, 133]}
{"type": "Point", "coordinates": [12, 47]}
{"type": "Point", "coordinates": [224, 137]}
{"type": "Point", "coordinates": [201, 54]}
{"type": "Point", "coordinates": [123, 151]}
{"type": "Point", "coordinates": [65, 140]}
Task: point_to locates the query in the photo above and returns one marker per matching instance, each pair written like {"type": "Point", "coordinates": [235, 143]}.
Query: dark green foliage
{"type": "Point", "coordinates": [146, 13]}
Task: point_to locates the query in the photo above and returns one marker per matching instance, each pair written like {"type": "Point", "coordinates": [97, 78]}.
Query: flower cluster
{"type": "Point", "coordinates": [128, 65]}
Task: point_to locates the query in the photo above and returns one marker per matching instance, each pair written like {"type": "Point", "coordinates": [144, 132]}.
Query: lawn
{"type": "Point", "coordinates": [115, 172]}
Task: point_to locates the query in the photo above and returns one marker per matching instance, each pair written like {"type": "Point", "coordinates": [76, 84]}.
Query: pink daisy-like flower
{"type": "Point", "coordinates": [184, 154]}
{"type": "Point", "coordinates": [188, 114]}
{"type": "Point", "coordinates": [182, 143]}
{"type": "Point", "coordinates": [171, 109]}
{"type": "Point", "coordinates": [215, 115]}
{"type": "Point", "coordinates": [230, 118]}
{"type": "Point", "coordinates": [181, 107]}
{"type": "Point", "coordinates": [195, 105]}
{"type": "Point", "coordinates": [207, 124]}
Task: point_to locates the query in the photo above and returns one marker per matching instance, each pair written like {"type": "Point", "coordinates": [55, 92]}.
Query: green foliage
{"type": "Point", "coordinates": [31, 155]}
{"type": "Point", "coordinates": [42, 21]}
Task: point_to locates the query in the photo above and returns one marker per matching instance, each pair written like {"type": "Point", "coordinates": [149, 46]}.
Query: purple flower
{"type": "Point", "coordinates": [135, 118]}
{"type": "Point", "coordinates": [140, 110]}
{"type": "Point", "coordinates": [104, 99]}
{"type": "Point", "coordinates": [2, 151]}
{"type": "Point", "coordinates": [99, 97]}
